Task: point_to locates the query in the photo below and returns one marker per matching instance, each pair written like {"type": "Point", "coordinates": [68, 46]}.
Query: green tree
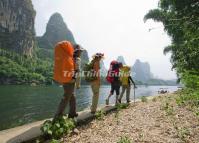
{"type": "Point", "coordinates": [19, 69]}
{"type": "Point", "coordinates": [181, 19]}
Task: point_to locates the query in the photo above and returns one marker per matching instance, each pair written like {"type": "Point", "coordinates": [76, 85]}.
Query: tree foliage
{"type": "Point", "coordinates": [20, 69]}
{"type": "Point", "coordinates": [181, 21]}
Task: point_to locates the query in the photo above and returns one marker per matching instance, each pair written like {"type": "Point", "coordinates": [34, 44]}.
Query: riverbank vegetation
{"type": "Point", "coordinates": [19, 69]}
{"type": "Point", "coordinates": [58, 128]}
{"type": "Point", "coordinates": [180, 20]}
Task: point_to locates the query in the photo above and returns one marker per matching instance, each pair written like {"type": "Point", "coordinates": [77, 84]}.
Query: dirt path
{"type": "Point", "coordinates": [146, 122]}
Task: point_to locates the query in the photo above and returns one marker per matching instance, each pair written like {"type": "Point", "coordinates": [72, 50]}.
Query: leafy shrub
{"type": "Point", "coordinates": [144, 99]}
{"type": "Point", "coordinates": [183, 133]}
{"type": "Point", "coordinates": [124, 140]}
{"type": "Point", "coordinates": [54, 141]}
{"type": "Point", "coordinates": [58, 128]}
{"type": "Point", "coordinates": [197, 112]}
{"type": "Point", "coordinates": [188, 97]}
{"type": "Point", "coordinates": [169, 109]}
{"type": "Point", "coordinates": [191, 79]}
{"type": "Point", "coordinates": [154, 99]}
{"type": "Point", "coordinates": [100, 114]}
{"type": "Point", "coordinates": [122, 106]}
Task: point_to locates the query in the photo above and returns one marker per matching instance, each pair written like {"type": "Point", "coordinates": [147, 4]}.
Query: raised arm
{"type": "Point", "coordinates": [130, 78]}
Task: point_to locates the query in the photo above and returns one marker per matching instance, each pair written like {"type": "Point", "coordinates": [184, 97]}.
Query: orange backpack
{"type": "Point", "coordinates": [63, 62]}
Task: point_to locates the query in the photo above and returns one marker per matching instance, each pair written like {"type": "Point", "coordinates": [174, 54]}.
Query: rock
{"type": "Point", "coordinates": [76, 131]}
{"type": "Point", "coordinates": [33, 84]}
{"type": "Point", "coordinates": [17, 31]}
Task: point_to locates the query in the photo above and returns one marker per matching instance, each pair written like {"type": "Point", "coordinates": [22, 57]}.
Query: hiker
{"type": "Point", "coordinates": [64, 75]}
{"type": "Point", "coordinates": [77, 60]}
{"type": "Point", "coordinates": [113, 78]}
{"type": "Point", "coordinates": [126, 81]}
{"type": "Point", "coordinates": [94, 78]}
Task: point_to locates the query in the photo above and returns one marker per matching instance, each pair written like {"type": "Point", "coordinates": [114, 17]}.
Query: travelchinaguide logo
{"type": "Point", "coordinates": [96, 74]}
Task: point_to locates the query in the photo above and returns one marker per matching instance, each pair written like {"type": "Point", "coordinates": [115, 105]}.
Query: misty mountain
{"type": "Point", "coordinates": [103, 70]}
{"type": "Point", "coordinates": [121, 60]}
{"type": "Point", "coordinates": [141, 71]}
{"type": "Point", "coordinates": [56, 31]}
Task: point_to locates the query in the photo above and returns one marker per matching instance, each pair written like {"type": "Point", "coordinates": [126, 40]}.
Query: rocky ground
{"type": "Point", "coordinates": [158, 120]}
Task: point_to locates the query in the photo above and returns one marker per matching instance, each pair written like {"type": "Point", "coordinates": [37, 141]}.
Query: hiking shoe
{"type": "Point", "coordinates": [93, 112]}
{"type": "Point", "coordinates": [73, 116]}
{"type": "Point", "coordinates": [128, 101]}
{"type": "Point", "coordinates": [119, 101]}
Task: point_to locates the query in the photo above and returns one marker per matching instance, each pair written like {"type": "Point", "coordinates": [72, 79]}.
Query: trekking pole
{"type": "Point", "coordinates": [134, 94]}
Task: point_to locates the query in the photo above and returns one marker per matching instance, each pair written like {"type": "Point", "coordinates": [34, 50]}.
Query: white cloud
{"type": "Point", "coordinates": [114, 27]}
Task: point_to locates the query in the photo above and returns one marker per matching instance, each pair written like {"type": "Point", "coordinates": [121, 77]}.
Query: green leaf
{"type": "Point", "coordinates": [57, 125]}
{"type": "Point", "coordinates": [50, 132]}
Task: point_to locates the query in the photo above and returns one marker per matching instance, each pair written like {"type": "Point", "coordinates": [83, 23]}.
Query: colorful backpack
{"type": "Point", "coordinates": [89, 72]}
{"type": "Point", "coordinates": [63, 62]}
{"type": "Point", "coordinates": [124, 75]}
{"type": "Point", "coordinates": [113, 70]}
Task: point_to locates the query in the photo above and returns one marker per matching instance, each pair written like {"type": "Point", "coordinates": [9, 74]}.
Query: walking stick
{"type": "Point", "coordinates": [134, 94]}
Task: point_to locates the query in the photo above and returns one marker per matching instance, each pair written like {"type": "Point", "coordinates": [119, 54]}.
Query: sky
{"type": "Point", "coordinates": [113, 27]}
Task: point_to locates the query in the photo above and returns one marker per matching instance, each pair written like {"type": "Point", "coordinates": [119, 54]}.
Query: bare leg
{"type": "Point", "coordinates": [111, 93]}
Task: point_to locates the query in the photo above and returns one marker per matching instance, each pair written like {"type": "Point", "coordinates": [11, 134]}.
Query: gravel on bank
{"type": "Point", "coordinates": [158, 120]}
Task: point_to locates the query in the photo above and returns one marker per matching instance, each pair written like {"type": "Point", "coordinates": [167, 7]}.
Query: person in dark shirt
{"type": "Point", "coordinates": [115, 84]}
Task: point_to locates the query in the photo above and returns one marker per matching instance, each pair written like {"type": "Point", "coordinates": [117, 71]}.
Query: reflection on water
{"type": "Point", "coordinates": [25, 104]}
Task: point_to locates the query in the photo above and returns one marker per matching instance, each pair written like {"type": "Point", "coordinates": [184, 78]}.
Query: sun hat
{"type": "Point", "coordinates": [101, 55]}
{"type": "Point", "coordinates": [78, 48]}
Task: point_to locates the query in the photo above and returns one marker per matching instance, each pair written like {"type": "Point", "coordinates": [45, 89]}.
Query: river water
{"type": "Point", "coordinates": [25, 104]}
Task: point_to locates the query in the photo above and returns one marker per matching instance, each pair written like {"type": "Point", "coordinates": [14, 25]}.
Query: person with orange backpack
{"type": "Point", "coordinates": [114, 80]}
{"type": "Point", "coordinates": [64, 75]}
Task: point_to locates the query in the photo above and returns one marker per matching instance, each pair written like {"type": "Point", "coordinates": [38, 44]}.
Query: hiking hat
{"type": "Point", "coordinates": [125, 67]}
{"type": "Point", "coordinates": [78, 48]}
{"type": "Point", "coordinates": [98, 55]}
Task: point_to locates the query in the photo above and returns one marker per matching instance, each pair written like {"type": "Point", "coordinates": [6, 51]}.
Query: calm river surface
{"type": "Point", "coordinates": [25, 104]}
